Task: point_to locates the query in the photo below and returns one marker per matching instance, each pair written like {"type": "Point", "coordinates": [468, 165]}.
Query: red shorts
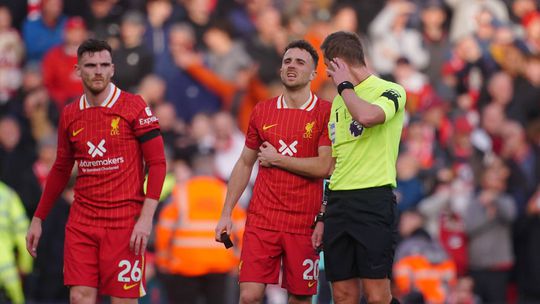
{"type": "Point", "coordinates": [265, 251]}
{"type": "Point", "coordinates": [100, 258]}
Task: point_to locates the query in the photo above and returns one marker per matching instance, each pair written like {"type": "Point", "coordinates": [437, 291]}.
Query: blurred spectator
{"type": "Point", "coordinates": [526, 103]}
{"type": "Point", "coordinates": [193, 265]}
{"type": "Point", "coordinates": [16, 157]}
{"type": "Point", "coordinates": [343, 17]}
{"type": "Point", "coordinates": [198, 15]}
{"type": "Point", "coordinates": [103, 20]}
{"type": "Point", "coordinates": [463, 292]}
{"type": "Point", "coordinates": [11, 57]}
{"type": "Point", "coordinates": [465, 10]}
{"type": "Point", "coordinates": [132, 60]}
{"type": "Point", "coordinates": [59, 75]}
{"type": "Point", "coordinates": [488, 138]}
{"type": "Point", "coordinates": [202, 132]}
{"type": "Point", "coordinates": [409, 189]}
{"type": "Point", "coordinates": [43, 33]}
{"type": "Point", "coordinates": [187, 95]}
{"type": "Point", "coordinates": [436, 42]}
{"type": "Point", "coordinates": [244, 15]}
{"type": "Point", "coordinates": [267, 44]}
{"type": "Point", "coordinates": [172, 129]}
{"type": "Point", "coordinates": [391, 39]}
{"type": "Point", "coordinates": [152, 90]}
{"type": "Point", "coordinates": [524, 163]}
{"type": "Point", "coordinates": [228, 144]}
{"type": "Point", "coordinates": [527, 233]}
{"type": "Point", "coordinates": [486, 27]}
{"type": "Point", "coordinates": [467, 66]}
{"type": "Point", "coordinates": [239, 96]}
{"type": "Point", "coordinates": [504, 41]}
{"type": "Point", "coordinates": [46, 154]}
{"type": "Point", "coordinates": [46, 284]}
{"type": "Point", "coordinates": [443, 212]}
{"type": "Point", "coordinates": [13, 225]}
{"type": "Point", "coordinates": [531, 24]}
{"type": "Point", "coordinates": [499, 90]}
{"type": "Point", "coordinates": [421, 264]}
{"type": "Point", "coordinates": [419, 91]}
{"type": "Point", "coordinates": [225, 56]}
{"type": "Point", "coordinates": [488, 222]}
{"type": "Point", "coordinates": [158, 13]}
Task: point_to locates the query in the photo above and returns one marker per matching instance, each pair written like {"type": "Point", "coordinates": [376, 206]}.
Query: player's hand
{"type": "Point", "coordinates": [339, 70]}
{"type": "Point", "coordinates": [224, 225]}
{"type": "Point", "coordinates": [32, 236]}
{"type": "Point", "coordinates": [140, 235]}
{"type": "Point", "coordinates": [316, 237]}
{"type": "Point", "coordinates": [267, 155]}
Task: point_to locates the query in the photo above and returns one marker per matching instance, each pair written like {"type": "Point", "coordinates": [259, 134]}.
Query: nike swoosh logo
{"type": "Point", "coordinates": [265, 127]}
{"type": "Point", "coordinates": [128, 287]}
{"type": "Point", "coordinates": [310, 284]}
{"type": "Point", "coordinates": [75, 133]}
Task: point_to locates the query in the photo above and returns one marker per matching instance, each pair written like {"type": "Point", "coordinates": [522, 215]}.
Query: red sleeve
{"type": "Point", "coordinates": [144, 120]}
{"type": "Point", "coordinates": [59, 175]}
{"type": "Point", "coordinates": [253, 140]}
{"type": "Point", "coordinates": [324, 140]}
{"type": "Point", "coordinates": [154, 157]}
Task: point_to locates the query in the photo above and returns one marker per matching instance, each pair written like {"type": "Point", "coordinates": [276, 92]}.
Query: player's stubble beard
{"type": "Point", "coordinates": [293, 87]}
{"type": "Point", "coordinates": [95, 90]}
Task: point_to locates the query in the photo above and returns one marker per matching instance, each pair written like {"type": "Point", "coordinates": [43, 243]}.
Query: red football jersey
{"type": "Point", "coordinates": [284, 201]}
{"type": "Point", "coordinates": [103, 142]}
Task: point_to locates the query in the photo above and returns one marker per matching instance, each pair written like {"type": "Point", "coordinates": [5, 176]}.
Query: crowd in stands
{"type": "Point", "coordinates": [469, 164]}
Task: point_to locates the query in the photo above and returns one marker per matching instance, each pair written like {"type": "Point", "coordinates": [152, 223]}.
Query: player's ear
{"type": "Point", "coordinates": [313, 75]}
{"type": "Point", "coordinates": [112, 70]}
{"type": "Point", "coordinates": [77, 70]}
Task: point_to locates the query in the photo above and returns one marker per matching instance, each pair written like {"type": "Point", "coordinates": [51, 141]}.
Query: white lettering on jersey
{"type": "Point", "coordinates": [147, 121]}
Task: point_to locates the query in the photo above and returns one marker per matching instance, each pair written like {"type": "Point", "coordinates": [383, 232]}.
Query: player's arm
{"type": "Point", "coordinates": [316, 167]}
{"type": "Point", "coordinates": [56, 182]}
{"type": "Point", "coordinates": [367, 114]}
{"type": "Point", "coordinates": [152, 148]}
{"type": "Point", "coordinates": [236, 186]}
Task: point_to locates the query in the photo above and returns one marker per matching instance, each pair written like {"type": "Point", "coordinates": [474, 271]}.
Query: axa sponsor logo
{"type": "Point", "coordinates": [288, 149]}
{"type": "Point", "coordinates": [96, 150]}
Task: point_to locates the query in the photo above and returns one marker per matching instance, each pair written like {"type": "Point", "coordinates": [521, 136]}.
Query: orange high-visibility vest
{"type": "Point", "coordinates": [185, 237]}
{"type": "Point", "coordinates": [434, 281]}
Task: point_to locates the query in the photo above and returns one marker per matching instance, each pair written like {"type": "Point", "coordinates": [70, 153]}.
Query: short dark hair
{"type": "Point", "coordinates": [93, 46]}
{"type": "Point", "coordinates": [345, 45]}
{"type": "Point", "coordinates": [304, 45]}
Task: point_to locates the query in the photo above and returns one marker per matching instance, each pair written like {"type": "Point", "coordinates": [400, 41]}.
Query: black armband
{"type": "Point", "coordinates": [149, 135]}
{"type": "Point", "coordinates": [344, 85]}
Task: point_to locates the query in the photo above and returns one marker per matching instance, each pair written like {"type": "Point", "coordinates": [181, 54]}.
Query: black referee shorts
{"type": "Point", "coordinates": [360, 234]}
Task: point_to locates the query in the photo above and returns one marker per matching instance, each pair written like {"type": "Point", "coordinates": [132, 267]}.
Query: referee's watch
{"type": "Point", "coordinates": [344, 85]}
{"type": "Point", "coordinates": [318, 218]}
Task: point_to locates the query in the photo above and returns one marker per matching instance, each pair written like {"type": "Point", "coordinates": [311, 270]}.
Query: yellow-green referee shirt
{"type": "Point", "coordinates": [366, 157]}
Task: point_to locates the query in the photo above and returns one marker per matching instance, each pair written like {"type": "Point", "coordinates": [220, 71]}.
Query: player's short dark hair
{"type": "Point", "coordinates": [93, 46]}
{"type": "Point", "coordinates": [345, 45]}
{"type": "Point", "coordinates": [304, 45]}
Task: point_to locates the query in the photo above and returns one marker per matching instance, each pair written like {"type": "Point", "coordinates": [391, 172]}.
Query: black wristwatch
{"type": "Point", "coordinates": [344, 85]}
{"type": "Point", "coordinates": [318, 218]}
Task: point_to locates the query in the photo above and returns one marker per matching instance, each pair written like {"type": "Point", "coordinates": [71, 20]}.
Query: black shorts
{"type": "Point", "coordinates": [360, 234]}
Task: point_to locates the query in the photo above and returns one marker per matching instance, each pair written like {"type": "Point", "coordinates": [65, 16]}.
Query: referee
{"type": "Point", "coordinates": [360, 223]}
